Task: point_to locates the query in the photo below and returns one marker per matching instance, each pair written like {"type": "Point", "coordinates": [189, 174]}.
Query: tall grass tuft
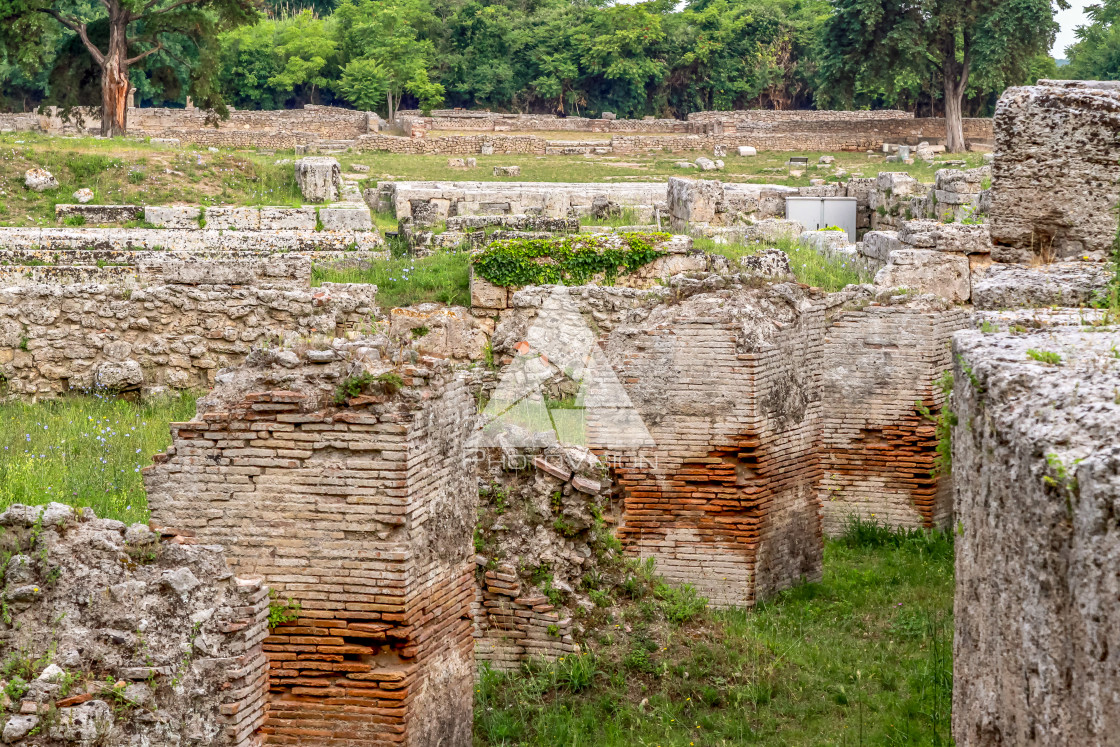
{"type": "Point", "coordinates": [862, 533]}
{"type": "Point", "coordinates": [85, 451]}
{"type": "Point", "coordinates": [443, 278]}
{"type": "Point", "coordinates": [809, 266]}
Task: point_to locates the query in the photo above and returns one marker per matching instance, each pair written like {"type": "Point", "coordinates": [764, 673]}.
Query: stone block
{"type": "Point", "coordinates": [1060, 284]}
{"type": "Point", "coordinates": [692, 201]}
{"type": "Point", "coordinates": [925, 271]}
{"type": "Point", "coordinates": [1036, 465]}
{"type": "Point", "coordinates": [1056, 183]}
{"type": "Point", "coordinates": [507, 171]}
{"type": "Point", "coordinates": [287, 219]}
{"type": "Point", "coordinates": [959, 238]}
{"type": "Point", "coordinates": [486, 295]}
{"type": "Point", "coordinates": [345, 219]}
{"type": "Point", "coordinates": [878, 245]}
{"type": "Point", "coordinates": [233, 218]}
{"type": "Point", "coordinates": [747, 151]}
{"type": "Point", "coordinates": [172, 216]}
{"type": "Point", "coordinates": [319, 178]}
{"type": "Point", "coordinates": [98, 214]}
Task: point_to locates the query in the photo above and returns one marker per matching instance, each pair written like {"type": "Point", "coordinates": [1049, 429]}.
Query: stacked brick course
{"type": "Point", "coordinates": [511, 627]}
{"type": "Point", "coordinates": [728, 385]}
{"type": "Point", "coordinates": [878, 450]}
{"type": "Point", "coordinates": [363, 515]}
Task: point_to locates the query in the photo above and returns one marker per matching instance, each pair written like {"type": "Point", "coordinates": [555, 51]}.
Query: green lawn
{"type": "Point", "coordinates": [862, 658]}
{"type": "Point", "coordinates": [85, 451]}
{"type": "Point", "coordinates": [136, 172]}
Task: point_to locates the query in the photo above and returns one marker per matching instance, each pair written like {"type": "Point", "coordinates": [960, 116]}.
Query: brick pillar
{"type": "Point", "coordinates": [727, 499]}
{"type": "Point", "coordinates": [364, 515]}
{"type": "Point", "coordinates": [879, 451]}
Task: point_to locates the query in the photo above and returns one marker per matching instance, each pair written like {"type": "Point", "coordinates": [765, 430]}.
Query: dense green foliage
{"type": "Point", "coordinates": [862, 657]}
{"type": "Point", "coordinates": [572, 260]}
{"type": "Point", "coordinates": [653, 58]}
{"type": "Point", "coordinates": [1096, 53]}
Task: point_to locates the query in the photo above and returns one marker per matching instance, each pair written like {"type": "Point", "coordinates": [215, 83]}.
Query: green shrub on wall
{"type": "Point", "coordinates": [572, 260]}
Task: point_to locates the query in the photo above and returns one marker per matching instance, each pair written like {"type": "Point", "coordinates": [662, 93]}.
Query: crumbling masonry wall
{"type": "Point", "coordinates": [1036, 465]}
{"type": "Point", "coordinates": [878, 450]}
{"type": "Point", "coordinates": [728, 385]}
{"type": "Point", "coordinates": [361, 514]}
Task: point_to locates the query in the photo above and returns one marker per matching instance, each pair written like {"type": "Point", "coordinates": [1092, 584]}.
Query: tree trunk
{"type": "Point", "coordinates": [954, 138]}
{"type": "Point", "coordinates": [114, 79]}
{"type": "Point", "coordinates": [392, 117]}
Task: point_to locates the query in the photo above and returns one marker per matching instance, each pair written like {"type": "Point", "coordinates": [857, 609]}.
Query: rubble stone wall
{"type": "Point", "coordinates": [727, 499]}
{"type": "Point", "coordinates": [1056, 180]}
{"type": "Point", "coordinates": [361, 514]}
{"type": "Point", "coordinates": [878, 451]}
{"type": "Point", "coordinates": [1036, 469]}
{"type": "Point", "coordinates": [164, 617]}
{"type": "Point", "coordinates": [55, 338]}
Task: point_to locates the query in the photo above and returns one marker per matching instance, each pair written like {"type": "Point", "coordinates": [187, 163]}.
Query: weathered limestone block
{"type": "Point", "coordinates": [1004, 286]}
{"type": "Point", "coordinates": [97, 214]}
{"type": "Point", "coordinates": [507, 171]}
{"type": "Point", "coordinates": [346, 219]}
{"type": "Point", "coordinates": [692, 201]}
{"type": "Point", "coordinates": [958, 238]}
{"type": "Point", "coordinates": [486, 295]}
{"type": "Point", "coordinates": [824, 242]}
{"type": "Point", "coordinates": [747, 151]}
{"type": "Point", "coordinates": [926, 271]}
{"type": "Point", "coordinates": [233, 218]}
{"type": "Point", "coordinates": [172, 217]}
{"type": "Point", "coordinates": [319, 178]}
{"type": "Point", "coordinates": [203, 668]}
{"type": "Point", "coordinates": [878, 245]}
{"type": "Point", "coordinates": [440, 331]}
{"type": "Point", "coordinates": [287, 219]}
{"type": "Point", "coordinates": [39, 180]}
{"type": "Point", "coordinates": [1036, 464]}
{"type": "Point", "coordinates": [1056, 182]}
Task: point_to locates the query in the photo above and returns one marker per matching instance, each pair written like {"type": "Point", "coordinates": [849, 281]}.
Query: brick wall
{"type": "Point", "coordinates": [727, 499]}
{"type": "Point", "coordinates": [877, 449]}
{"type": "Point", "coordinates": [362, 514]}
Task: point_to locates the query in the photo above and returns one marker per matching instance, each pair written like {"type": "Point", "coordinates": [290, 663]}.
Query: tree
{"type": "Point", "coordinates": [388, 34]}
{"type": "Point", "coordinates": [137, 30]}
{"type": "Point", "coordinates": [887, 43]}
{"type": "Point", "coordinates": [1096, 53]}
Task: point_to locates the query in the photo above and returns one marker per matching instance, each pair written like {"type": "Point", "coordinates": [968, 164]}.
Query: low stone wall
{"type": "Point", "coordinates": [554, 200]}
{"type": "Point", "coordinates": [363, 514]}
{"type": "Point", "coordinates": [186, 240]}
{"type": "Point", "coordinates": [878, 449]}
{"type": "Point", "coordinates": [455, 119]}
{"type": "Point", "coordinates": [136, 638]}
{"type": "Point", "coordinates": [55, 338]}
{"type": "Point", "coordinates": [1036, 466]}
{"type": "Point", "coordinates": [1056, 181]}
{"type": "Point", "coordinates": [754, 116]}
{"type": "Point", "coordinates": [29, 122]}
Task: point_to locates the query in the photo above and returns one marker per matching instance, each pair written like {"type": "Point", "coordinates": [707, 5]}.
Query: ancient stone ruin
{"type": "Point", "coordinates": [351, 523]}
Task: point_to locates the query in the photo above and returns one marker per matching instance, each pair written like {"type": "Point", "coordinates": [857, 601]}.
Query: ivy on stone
{"type": "Point", "coordinates": [572, 260]}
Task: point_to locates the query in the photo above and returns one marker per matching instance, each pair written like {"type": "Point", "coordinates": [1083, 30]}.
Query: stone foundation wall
{"type": "Point", "coordinates": [1056, 181]}
{"type": "Point", "coordinates": [55, 338]}
{"type": "Point", "coordinates": [1036, 469]}
{"type": "Point", "coordinates": [729, 387]}
{"type": "Point", "coordinates": [878, 451]}
{"type": "Point", "coordinates": [364, 516]}
{"type": "Point", "coordinates": [162, 616]}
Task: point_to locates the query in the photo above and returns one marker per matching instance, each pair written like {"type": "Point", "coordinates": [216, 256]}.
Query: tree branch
{"type": "Point", "coordinates": [142, 55]}
{"type": "Point", "coordinates": [152, 3]}
{"type": "Point", "coordinates": [80, 28]}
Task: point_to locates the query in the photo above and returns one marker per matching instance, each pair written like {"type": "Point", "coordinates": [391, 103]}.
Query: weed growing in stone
{"type": "Point", "coordinates": [85, 451]}
{"type": "Point", "coordinates": [944, 420]}
{"type": "Point", "coordinates": [1045, 356]}
{"type": "Point", "coordinates": [280, 613]}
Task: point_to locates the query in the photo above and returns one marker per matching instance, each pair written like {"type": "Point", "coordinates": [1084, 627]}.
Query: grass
{"type": "Point", "coordinates": [863, 657]}
{"type": "Point", "coordinates": [134, 173]}
{"type": "Point", "coordinates": [443, 277]}
{"type": "Point", "coordinates": [85, 451]}
{"type": "Point", "coordinates": [809, 266]}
